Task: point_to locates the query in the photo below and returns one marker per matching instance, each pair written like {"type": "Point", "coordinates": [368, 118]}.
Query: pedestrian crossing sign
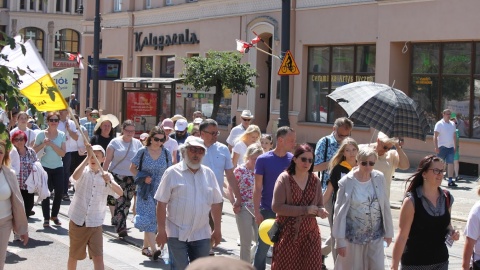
{"type": "Point", "coordinates": [288, 66]}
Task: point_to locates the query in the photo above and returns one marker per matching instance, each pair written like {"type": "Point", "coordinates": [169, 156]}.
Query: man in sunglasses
{"type": "Point", "coordinates": [390, 157]}
{"type": "Point", "coordinates": [444, 139]}
{"type": "Point", "coordinates": [246, 118]}
{"type": "Point", "coordinates": [186, 228]}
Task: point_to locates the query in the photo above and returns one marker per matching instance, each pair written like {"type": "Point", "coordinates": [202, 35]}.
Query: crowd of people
{"type": "Point", "coordinates": [175, 178]}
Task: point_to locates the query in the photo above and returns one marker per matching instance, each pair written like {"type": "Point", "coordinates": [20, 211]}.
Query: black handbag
{"type": "Point", "coordinates": [274, 232]}
{"type": "Point", "coordinates": [476, 265]}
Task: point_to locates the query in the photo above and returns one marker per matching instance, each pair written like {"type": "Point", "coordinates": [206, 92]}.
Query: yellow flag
{"type": "Point", "coordinates": [37, 84]}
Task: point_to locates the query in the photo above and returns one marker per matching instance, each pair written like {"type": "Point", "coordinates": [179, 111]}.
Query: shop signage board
{"type": "Point", "coordinates": [288, 66]}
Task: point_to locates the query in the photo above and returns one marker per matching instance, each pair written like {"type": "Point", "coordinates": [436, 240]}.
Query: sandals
{"type": "Point", "coordinates": [146, 252]}
{"type": "Point", "coordinates": [56, 221]}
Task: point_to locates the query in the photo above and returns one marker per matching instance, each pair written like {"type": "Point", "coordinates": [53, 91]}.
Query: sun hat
{"type": "Point", "coordinates": [107, 117]}
{"type": "Point", "coordinates": [181, 125]}
{"type": "Point", "coordinates": [167, 123]}
{"type": "Point", "coordinates": [194, 141]}
{"type": "Point", "coordinates": [247, 114]}
{"type": "Point", "coordinates": [178, 116]}
{"type": "Point", "coordinates": [98, 147]}
{"type": "Point", "coordinates": [197, 121]}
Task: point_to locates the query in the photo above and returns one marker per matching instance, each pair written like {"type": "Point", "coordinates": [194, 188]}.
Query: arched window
{"type": "Point", "coordinates": [66, 40]}
{"type": "Point", "coordinates": [35, 34]}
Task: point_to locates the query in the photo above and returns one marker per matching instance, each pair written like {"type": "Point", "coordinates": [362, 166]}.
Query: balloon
{"type": "Point", "coordinates": [265, 226]}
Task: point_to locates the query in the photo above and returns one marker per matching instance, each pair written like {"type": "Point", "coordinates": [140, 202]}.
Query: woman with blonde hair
{"type": "Point", "coordinates": [342, 163]}
{"type": "Point", "coordinates": [249, 136]}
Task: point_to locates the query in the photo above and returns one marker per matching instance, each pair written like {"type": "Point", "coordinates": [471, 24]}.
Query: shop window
{"type": "Point", "coordinates": [66, 40]}
{"type": "Point", "coordinates": [34, 34]}
{"type": "Point", "coordinates": [444, 75]}
{"type": "Point", "coordinates": [146, 66]}
{"type": "Point", "coordinates": [167, 66]}
{"type": "Point", "coordinates": [330, 67]}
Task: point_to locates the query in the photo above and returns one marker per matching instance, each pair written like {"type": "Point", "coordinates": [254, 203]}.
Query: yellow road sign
{"type": "Point", "coordinates": [288, 67]}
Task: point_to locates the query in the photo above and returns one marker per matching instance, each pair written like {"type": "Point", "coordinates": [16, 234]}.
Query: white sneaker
{"type": "Point", "coordinates": [238, 241]}
{"type": "Point", "coordinates": [270, 252]}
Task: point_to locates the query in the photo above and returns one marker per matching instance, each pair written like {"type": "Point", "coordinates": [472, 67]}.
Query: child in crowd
{"type": "Point", "coordinates": [87, 210]}
{"type": "Point", "coordinates": [266, 142]}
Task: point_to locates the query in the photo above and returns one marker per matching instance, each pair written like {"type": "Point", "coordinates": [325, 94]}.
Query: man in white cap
{"type": "Point", "coordinates": [246, 118]}
{"type": "Point", "coordinates": [183, 224]}
{"type": "Point", "coordinates": [196, 115]}
{"type": "Point", "coordinates": [180, 134]}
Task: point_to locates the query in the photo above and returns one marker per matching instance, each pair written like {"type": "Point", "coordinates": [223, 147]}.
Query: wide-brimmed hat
{"type": "Point", "coordinates": [167, 123]}
{"type": "Point", "coordinates": [107, 117]}
{"type": "Point", "coordinates": [177, 116]}
{"type": "Point", "coordinates": [181, 125]}
{"type": "Point", "coordinates": [247, 114]}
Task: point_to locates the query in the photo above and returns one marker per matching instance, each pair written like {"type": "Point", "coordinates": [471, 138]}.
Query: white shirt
{"type": "Point", "coordinates": [472, 229]}
{"type": "Point", "coordinates": [88, 203]}
{"type": "Point", "coordinates": [189, 197]}
{"type": "Point", "coordinates": [171, 145]}
{"type": "Point", "coordinates": [70, 144]}
{"type": "Point", "coordinates": [120, 148]}
{"type": "Point", "coordinates": [234, 133]}
{"type": "Point", "coordinates": [240, 148]}
{"type": "Point", "coordinates": [445, 133]}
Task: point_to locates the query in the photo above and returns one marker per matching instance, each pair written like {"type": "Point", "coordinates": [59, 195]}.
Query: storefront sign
{"type": "Point", "coordinates": [65, 64]}
{"type": "Point", "coordinates": [159, 42]}
{"type": "Point", "coordinates": [424, 80]}
{"type": "Point", "coordinates": [342, 78]}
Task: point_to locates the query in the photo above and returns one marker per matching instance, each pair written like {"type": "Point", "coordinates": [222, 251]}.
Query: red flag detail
{"type": "Point", "coordinates": [243, 46]}
{"type": "Point", "coordinates": [256, 40]}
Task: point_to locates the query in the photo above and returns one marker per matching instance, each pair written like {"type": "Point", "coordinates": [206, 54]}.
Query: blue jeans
{"type": "Point", "coordinates": [446, 154]}
{"type": "Point", "coordinates": [260, 261]}
{"type": "Point", "coordinates": [182, 253]}
{"type": "Point", "coordinates": [67, 161]}
{"type": "Point", "coordinates": [55, 182]}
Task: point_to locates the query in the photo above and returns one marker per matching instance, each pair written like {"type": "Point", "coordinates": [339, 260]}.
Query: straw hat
{"type": "Point", "coordinates": [107, 117]}
{"type": "Point", "coordinates": [177, 116]}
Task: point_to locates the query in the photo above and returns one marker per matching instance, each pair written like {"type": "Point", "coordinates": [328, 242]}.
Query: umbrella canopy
{"type": "Point", "coordinates": [384, 108]}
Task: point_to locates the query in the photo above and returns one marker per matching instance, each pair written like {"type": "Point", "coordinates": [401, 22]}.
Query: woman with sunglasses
{"type": "Point", "coordinates": [362, 220]}
{"type": "Point", "coordinates": [120, 152]}
{"type": "Point", "coordinates": [22, 158]}
{"type": "Point", "coordinates": [425, 222]}
{"type": "Point", "coordinates": [251, 135]}
{"type": "Point", "coordinates": [52, 142]}
{"type": "Point", "coordinates": [297, 200]}
{"type": "Point", "coordinates": [148, 166]}
{"type": "Point", "coordinates": [340, 165]}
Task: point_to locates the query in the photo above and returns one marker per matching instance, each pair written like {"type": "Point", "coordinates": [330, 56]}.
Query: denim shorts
{"type": "Point", "coordinates": [446, 154]}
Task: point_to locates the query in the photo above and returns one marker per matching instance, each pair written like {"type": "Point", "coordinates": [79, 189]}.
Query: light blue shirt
{"type": "Point", "coordinates": [218, 159]}
{"type": "Point", "coordinates": [51, 159]}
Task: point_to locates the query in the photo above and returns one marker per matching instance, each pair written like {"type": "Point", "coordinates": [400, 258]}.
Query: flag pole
{"type": "Point", "coordinates": [262, 41]}
{"type": "Point", "coordinates": [276, 56]}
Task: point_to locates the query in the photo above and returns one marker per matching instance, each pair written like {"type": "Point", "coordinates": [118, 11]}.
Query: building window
{"type": "Point", "coordinates": [117, 5]}
{"type": "Point", "coordinates": [34, 34]}
{"type": "Point", "coordinates": [330, 67]}
{"type": "Point", "coordinates": [40, 5]}
{"type": "Point", "coordinates": [22, 4]}
{"type": "Point", "coordinates": [66, 40]}
{"type": "Point", "coordinates": [146, 66]}
{"type": "Point", "coordinates": [32, 5]}
{"type": "Point", "coordinates": [59, 6]}
{"type": "Point", "coordinates": [445, 75]}
{"type": "Point", "coordinates": [167, 66]}
{"type": "Point", "coordinates": [3, 3]}
{"type": "Point", "coordinates": [148, 3]}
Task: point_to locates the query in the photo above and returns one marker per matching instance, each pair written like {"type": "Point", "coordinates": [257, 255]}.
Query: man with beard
{"type": "Point", "coordinates": [185, 228]}
{"type": "Point", "coordinates": [180, 134]}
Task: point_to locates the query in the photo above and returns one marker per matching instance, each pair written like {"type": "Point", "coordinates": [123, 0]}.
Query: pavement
{"type": "Point", "coordinates": [48, 247]}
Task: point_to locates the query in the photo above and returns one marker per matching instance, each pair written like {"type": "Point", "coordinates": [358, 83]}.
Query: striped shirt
{"type": "Point", "coordinates": [88, 203]}
{"type": "Point", "coordinates": [189, 197]}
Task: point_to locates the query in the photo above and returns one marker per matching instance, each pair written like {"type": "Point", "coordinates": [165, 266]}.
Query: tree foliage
{"type": "Point", "coordinates": [222, 70]}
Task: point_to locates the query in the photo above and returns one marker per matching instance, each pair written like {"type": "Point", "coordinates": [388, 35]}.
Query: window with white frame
{"type": "Point", "coordinates": [148, 3]}
{"type": "Point", "coordinates": [117, 5]}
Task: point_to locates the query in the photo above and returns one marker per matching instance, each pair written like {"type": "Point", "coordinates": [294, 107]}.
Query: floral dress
{"type": "Point", "coordinates": [145, 219]}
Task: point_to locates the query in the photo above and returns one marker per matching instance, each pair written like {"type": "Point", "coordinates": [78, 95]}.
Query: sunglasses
{"type": "Point", "coordinates": [365, 163]}
{"type": "Point", "coordinates": [437, 171]}
{"type": "Point", "coordinates": [304, 159]}
{"type": "Point", "coordinates": [19, 139]}
{"type": "Point", "coordinates": [248, 120]}
{"type": "Point", "coordinates": [51, 120]}
{"type": "Point", "coordinates": [196, 150]}
{"type": "Point", "coordinates": [93, 115]}
{"type": "Point", "coordinates": [158, 139]}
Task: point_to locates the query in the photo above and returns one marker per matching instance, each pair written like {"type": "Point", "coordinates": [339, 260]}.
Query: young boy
{"type": "Point", "coordinates": [87, 210]}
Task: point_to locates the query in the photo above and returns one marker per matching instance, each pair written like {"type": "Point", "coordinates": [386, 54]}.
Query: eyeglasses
{"type": "Point", "coordinates": [365, 163]}
{"type": "Point", "coordinates": [51, 120]}
{"type": "Point", "coordinates": [19, 139]}
{"type": "Point", "coordinates": [129, 130]}
{"type": "Point", "coordinates": [196, 150]}
{"type": "Point", "coordinates": [248, 120]}
{"type": "Point", "coordinates": [304, 159]}
{"type": "Point", "coordinates": [158, 139]}
{"type": "Point", "coordinates": [94, 115]}
{"type": "Point", "coordinates": [437, 171]}
{"type": "Point", "coordinates": [213, 133]}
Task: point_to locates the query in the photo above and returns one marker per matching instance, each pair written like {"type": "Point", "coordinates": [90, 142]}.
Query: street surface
{"type": "Point", "coordinates": [48, 248]}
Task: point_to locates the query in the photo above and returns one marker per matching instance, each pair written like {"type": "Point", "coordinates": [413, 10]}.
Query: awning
{"type": "Point", "coordinates": [148, 80]}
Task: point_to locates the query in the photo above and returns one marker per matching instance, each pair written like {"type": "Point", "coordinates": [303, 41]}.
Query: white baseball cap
{"type": "Point", "coordinates": [181, 125]}
{"type": "Point", "coordinates": [98, 148]}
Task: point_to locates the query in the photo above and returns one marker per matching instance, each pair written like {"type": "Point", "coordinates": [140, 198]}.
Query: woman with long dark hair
{"type": "Point", "coordinates": [425, 220]}
{"type": "Point", "coordinates": [297, 200]}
